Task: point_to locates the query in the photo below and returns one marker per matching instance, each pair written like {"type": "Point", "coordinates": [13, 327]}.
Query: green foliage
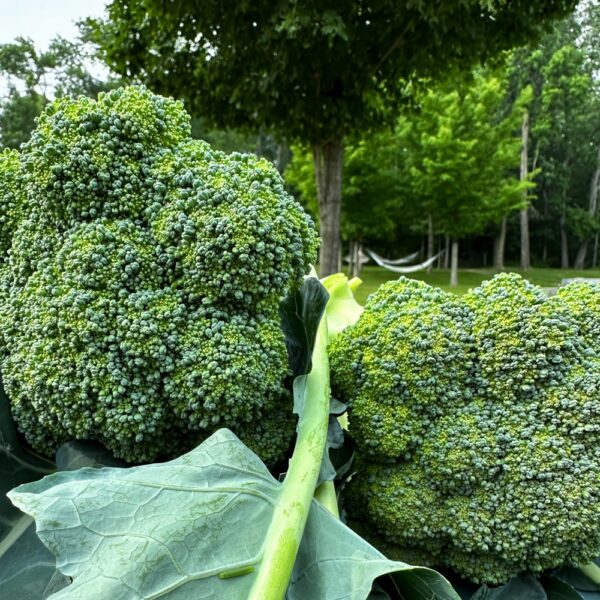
{"type": "Point", "coordinates": [33, 76]}
{"type": "Point", "coordinates": [461, 155]}
{"type": "Point", "coordinates": [478, 424]}
{"type": "Point", "coordinates": [143, 282]}
{"type": "Point", "coordinates": [307, 71]}
{"type": "Point", "coordinates": [565, 132]}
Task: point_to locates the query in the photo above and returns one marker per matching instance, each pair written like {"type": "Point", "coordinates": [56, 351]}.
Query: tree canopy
{"type": "Point", "coordinates": [309, 71]}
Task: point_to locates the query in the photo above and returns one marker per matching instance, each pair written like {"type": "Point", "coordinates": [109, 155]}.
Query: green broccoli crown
{"type": "Point", "coordinates": [143, 281]}
{"type": "Point", "coordinates": [499, 472]}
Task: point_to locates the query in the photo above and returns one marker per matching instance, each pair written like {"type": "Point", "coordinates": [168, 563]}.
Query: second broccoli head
{"type": "Point", "coordinates": [141, 286]}
{"type": "Point", "coordinates": [478, 423]}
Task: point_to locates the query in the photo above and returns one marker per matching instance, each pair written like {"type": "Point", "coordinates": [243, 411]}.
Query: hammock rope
{"type": "Point", "coordinates": [410, 269]}
{"type": "Point", "coordinates": [405, 260]}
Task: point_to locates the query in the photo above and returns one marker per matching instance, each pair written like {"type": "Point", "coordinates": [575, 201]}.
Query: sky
{"type": "Point", "coordinates": [41, 20]}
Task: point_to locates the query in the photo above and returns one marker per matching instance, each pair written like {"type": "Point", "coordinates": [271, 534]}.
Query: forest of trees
{"type": "Point", "coordinates": [498, 164]}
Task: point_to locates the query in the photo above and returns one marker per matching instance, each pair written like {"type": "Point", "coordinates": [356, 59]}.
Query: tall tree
{"type": "Point", "coordinates": [310, 71]}
{"type": "Point", "coordinates": [462, 158]}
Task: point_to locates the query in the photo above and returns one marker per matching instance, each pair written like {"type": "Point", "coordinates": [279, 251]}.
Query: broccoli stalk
{"type": "Point", "coordinates": [291, 511]}
{"type": "Point", "coordinates": [591, 570]}
{"type": "Point", "coordinates": [298, 490]}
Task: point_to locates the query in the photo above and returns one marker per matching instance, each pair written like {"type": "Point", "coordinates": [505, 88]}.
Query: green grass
{"type": "Point", "coordinates": [373, 277]}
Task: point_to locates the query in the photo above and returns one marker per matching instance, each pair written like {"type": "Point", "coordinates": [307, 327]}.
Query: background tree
{"type": "Point", "coordinates": [564, 120]}
{"type": "Point", "coordinates": [310, 71]}
{"type": "Point", "coordinates": [463, 157]}
{"type": "Point", "coordinates": [34, 76]}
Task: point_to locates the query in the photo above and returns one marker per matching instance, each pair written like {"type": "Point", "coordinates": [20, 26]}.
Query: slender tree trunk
{"type": "Point", "coordinates": [447, 252]}
{"type": "Point", "coordinates": [430, 241]}
{"type": "Point", "coordinates": [595, 256]}
{"type": "Point", "coordinates": [564, 241]}
{"type": "Point", "coordinates": [328, 160]}
{"type": "Point", "coordinates": [525, 251]}
{"type": "Point", "coordinates": [545, 254]}
{"type": "Point", "coordinates": [284, 155]}
{"type": "Point", "coordinates": [439, 258]}
{"type": "Point", "coordinates": [354, 259]}
{"type": "Point", "coordinates": [581, 254]}
{"type": "Point", "coordinates": [499, 245]}
{"type": "Point", "coordinates": [454, 267]}
{"type": "Point", "coordinates": [351, 258]}
{"type": "Point", "coordinates": [592, 209]}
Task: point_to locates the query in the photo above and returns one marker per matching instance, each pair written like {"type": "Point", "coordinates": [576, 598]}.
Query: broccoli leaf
{"type": "Point", "coordinates": [559, 590]}
{"type": "Point", "coordinates": [194, 528]}
{"type": "Point", "coordinates": [27, 567]}
{"type": "Point", "coordinates": [578, 579]}
{"type": "Point", "coordinates": [522, 587]}
{"type": "Point", "coordinates": [300, 315]}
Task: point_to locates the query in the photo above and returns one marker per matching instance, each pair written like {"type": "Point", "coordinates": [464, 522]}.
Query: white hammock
{"type": "Point", "coordinates": [399, 261]}
{"type": "Point", "coordinates": [412, 269]}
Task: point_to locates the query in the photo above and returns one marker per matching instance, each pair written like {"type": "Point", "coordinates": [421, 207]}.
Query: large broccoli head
{"type": "Point", "coordinates": [478, 424]}
{"type": "Point", "coordinates": [143, 282]}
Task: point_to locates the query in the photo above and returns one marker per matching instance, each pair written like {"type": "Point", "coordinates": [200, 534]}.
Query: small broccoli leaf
{"type": "Point", "coordinates": [300, 315]}
{"type": "Point", "coordinates": [557, 589]}
{"type": "Point", "coordinates": [521, 587]}
{"type": "Point", "coordinates": [26, 566]}
{"type": "Point", "coordinates": [85, 453]}
{"type": "Point", "coordinates": [343, 310]}
{"type": "Point", "coordinates": [194, 528]}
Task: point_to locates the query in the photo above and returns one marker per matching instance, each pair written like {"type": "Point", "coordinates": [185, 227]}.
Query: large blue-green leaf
{"type": "Point", "coordinates": [194, 528]}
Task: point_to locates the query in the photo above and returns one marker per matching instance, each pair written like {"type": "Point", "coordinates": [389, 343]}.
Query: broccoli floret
{"type": "Point", "coordinates": [500, 472]}
{"type": "Point", "coordinates": [397, 392]}
{"type": "Point", "coordinates": [142, 284]}
{"type": "Point", "coordinates": [11, 196]}
{"type": "Point", "coordinates": [233, 234]}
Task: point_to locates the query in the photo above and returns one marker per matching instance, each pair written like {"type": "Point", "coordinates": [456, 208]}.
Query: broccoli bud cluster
{"type": "Point", "coordinates": [477, 422]}
{"type": "Point", "coordinates": [141, 282]}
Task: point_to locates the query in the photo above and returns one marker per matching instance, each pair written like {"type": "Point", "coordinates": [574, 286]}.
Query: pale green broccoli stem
{"type": "Point", "coordinates": [326, 496]}
{"type": "Point", "coordinates": [592, 570]}
{"type": "Point", "coordinates": [291, 510]}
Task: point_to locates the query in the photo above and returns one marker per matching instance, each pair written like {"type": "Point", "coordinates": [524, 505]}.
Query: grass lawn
{"type": "Point", "coordinates": [373, 277]}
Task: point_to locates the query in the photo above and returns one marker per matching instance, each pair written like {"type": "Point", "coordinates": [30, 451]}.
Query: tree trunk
{"type": "Point", "coordinates": [351, 258]}
{"type": "Point", "coordinates": [499, 245]}
{"type": "Point", "coordinates": [580, 256]}
{"type": "Point", "coordinates": [430, 241]}
{"type": "Point", "coordinates": [328, 160]}
{"type": "Point", "coordinates": [595, 255]}
{"type": "Point", "coordinates": [525, 251]}
{"type": "Point", "coordinates": [564, 242]}
{"type": "Point", "coordinates": [447, 253]}
{"type": "Point", "coordinates": [454, 268]}
{"type": "Point", "coordinates": [592, 209]}
{"type": "Point", "coordinates": [439, 258]}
